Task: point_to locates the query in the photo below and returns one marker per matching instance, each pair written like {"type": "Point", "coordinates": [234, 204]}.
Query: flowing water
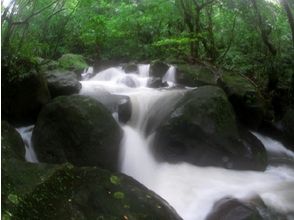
{"type": "Point", "coordinates": [191, 190]}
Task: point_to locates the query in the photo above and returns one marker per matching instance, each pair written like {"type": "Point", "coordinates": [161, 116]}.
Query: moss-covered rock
{"type": "Point", "coordinates": [12, 145]}
{"type": "Point", "coordinates": [245, 98]}
{"type": "Point", "coordinates": [67, 192]}
{"type": "Point", "coordinates": [202, 130]}
{"type": "Point", "coordinates": [130, 68]}
{"type": "Point", "coordinates": [195, 75]}
{"type": "Point", "coordinates": [158, 68]}
{"type": "Point", "coordinates": [23, 97]}
{"type": "Point", "coordinates": [73, 62]}
{"type": "Point", "coordinates": [62, 82]}
{"type": "Point", "coordinates": [79, 130]}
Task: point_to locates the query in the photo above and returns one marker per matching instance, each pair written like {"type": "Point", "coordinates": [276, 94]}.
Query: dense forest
{"type": "Point", "coordinates": [206, 86]}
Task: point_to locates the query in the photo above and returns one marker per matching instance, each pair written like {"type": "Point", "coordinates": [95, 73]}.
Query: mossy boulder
{"type": "Point", "coordinates": [158, 68]}
{"type": "Point", "coordinates": [195, 75]}
{"type": "Point", "coordinates": [23, 97]}
{"type": "Point", "coordinates": [67, 192]}
{"type": "Point", "coordinates": [73, 62]}
{"type": "Point", "coordinates": [202, 130]}
{"type": "Point", "coordinates": [12, 145]}
{"type": "Point", "coordinates": [245, 98]}
{"type": "Point", "coordinates": [130, 68]}
{"type": "Point", "coordinates": [79, 130]}
{"type": "Point", "coordinates": [62, 82]}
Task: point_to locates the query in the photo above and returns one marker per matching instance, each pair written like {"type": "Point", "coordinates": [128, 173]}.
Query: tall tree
{"type": "Point", "coordinates": [289, 13]}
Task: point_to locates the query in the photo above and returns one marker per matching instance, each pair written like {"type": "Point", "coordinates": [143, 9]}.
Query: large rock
{"type": "Point", "coordinates": [202, 130]}
{"type": "Point", "coordinates": [158, 68]}
{"type": "Point", "coordinates": [234, 209]}
{"type": "Point", "coordinates": [79, 130]}
{"type": "Point", "coordinates": [61, 82]}
{"type": "Point", "coordinates": [245, 98]}
{"type": "Point", "coordinates": [130, 68]}
{"type": "Point", "coordinates": [12, 145]}
{"type": "Point", "coordinates": [73, 62]}
{"type": "Point", "coordinates": [156, 82]}
{"type": "Point", "coordinates": [195, 75]}
{"type": "Point", "coordinates": [23, 97]}
{"type": "Point", "coordinates": [65, 192]}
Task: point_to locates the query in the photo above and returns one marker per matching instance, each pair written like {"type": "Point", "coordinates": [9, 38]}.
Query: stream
{"type": "Point", "coordinates": [190, 189]}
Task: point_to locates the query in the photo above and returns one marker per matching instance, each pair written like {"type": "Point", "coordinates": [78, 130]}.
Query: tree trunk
{"type": "Point", "coordinates": [286, 5]}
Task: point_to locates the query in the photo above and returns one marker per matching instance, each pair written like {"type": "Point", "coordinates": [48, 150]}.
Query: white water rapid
{"type": "Point", "coordinates": [191, 190]}
{"type": "Point", "coordinates": [26, 134]}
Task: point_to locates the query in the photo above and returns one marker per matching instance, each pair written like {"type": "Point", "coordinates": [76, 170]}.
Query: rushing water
{"type": "Point", "coordinates": [191, 190]}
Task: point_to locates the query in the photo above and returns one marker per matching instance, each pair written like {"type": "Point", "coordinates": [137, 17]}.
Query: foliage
{"type": "Point", "coordinates": [226, 32]}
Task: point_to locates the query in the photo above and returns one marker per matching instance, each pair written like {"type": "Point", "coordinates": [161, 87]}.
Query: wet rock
{"type": "Point", "coordinates": [233, 209]}
{"type": "Point", "coordinates": [245, 98]}
{"type": "Point", "coordinates": [12, 145]}
{"type": "Point", "coordinates": [24, 97]}
{"type": "Point", "coordinates": [195, 75]}
{"type": "Point", "coordinates": [67, 192]}
{"type": "Point", "coordinates": [79, 130]}
{"type": "Point", "coordinates": [202, 130]}
{"type": "Point", "coordinates": [62, 82]}
{"type": "Point", "coordinates": [125, 110]}
{"type": "Point", "coordinates": [158, 68]}
{"type": "Point", "coordinates": [156, 82]}
{"type": "Point", "coordinates": [130, 68]}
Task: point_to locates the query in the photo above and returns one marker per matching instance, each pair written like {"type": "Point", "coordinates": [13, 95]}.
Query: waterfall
{"type": "Point", "coordinates": [190, 189]}
{"type": "Point", "coordinates": [170, 76]}
{"type": "Point", "coordinates": [26, 134]}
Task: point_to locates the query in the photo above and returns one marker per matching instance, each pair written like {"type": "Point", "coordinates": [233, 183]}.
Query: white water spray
{"type": "Point", "coordinates": [26, 134]}
{"type": "Point", "coordinates": [191, 190]}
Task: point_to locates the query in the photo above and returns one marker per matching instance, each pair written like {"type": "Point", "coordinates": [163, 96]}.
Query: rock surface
{"type": "Point", "coordinates": [42, 191]}
{"type": "Point", "coordinates": [245, 99]}
{"type": "Point", "coordinates": [62, 82]}
{"type": "Point", "coordinates": [202, 130]}
{"type": "Point", "coordinates": [73, 62]}
{"type": "Point", "coordinates": [79, 130]}
{"type": "Point", "coordinates": [158, 68]}
{"type": "Point", "coordinates": [12, 145]}
{"type": "Point", "coordinates": [24, 97]}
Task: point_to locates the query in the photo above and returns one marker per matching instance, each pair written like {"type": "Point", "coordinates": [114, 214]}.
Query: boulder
{"type": "Point", "coordinates": [110, 101]}
{"type": "Point", "coordinates": [124, 110]}
{"type": "Point", "coordinates": [158, 68]}
{"type": "Point", "coordinates": [245, 98]}
{"type": "Point", "coordinates": [66, 192]}
{"type": "Point", "coordinates": [79, 130]}
{"type": "Point", "coordinates": [156, 82]}
{"type": "Point", "coordinates": [62, 82]}
{"type": "Point", "coordinates": [12, 145]}
{"type": "Point", "coordinates": [195, 75]}
{"type": "Point", "coordinates": [202, 130]}
{"type": "Point", "coordinates": [23, 97]}
{"type": "Point", "coordinates": [73, 62]}
{"type": "Point", "coordinates": [130, 68]}
{"type": "Point", "coordinates": [234, 209]}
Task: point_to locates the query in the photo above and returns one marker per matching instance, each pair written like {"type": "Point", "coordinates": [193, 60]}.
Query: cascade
{"type": "Point", "coordinates": [190, 189]}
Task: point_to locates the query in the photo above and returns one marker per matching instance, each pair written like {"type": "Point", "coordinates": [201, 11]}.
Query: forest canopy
{"type": "Point", "coordinates": [254, 37]}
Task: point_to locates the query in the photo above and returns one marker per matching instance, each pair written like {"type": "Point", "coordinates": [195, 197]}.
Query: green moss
{"type": "Point", "coordinates": [119, 195]}
{"type": "Point", "coordinates": [72, 62]}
